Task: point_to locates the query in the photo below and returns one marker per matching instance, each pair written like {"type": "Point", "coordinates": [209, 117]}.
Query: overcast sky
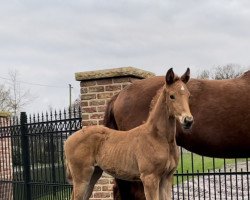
{"type": "Point", "coordinates": [48, 41]}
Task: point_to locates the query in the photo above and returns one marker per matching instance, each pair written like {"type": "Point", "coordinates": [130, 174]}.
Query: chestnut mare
{"type": "Point", "coordinates": [221, 109]}
{"type": "Point", "coordinates": [148, 152]}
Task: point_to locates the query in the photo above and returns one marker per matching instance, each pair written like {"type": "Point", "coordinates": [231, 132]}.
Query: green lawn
{"type": "Point", "coordinates": [200, 165]}
{"type": "Point", "coordinates": [60, 195]}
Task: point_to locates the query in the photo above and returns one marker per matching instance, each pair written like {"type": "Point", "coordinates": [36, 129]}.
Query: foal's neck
{"type": "Point", "coordinates": [159, 122]}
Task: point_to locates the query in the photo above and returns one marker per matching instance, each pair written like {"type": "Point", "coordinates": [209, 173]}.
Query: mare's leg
{"type": "Point", "coordinates": [95, 177]}
{"type": "Point", "coordinates": [127, 190]}
{"type": "Point", "coordinates": [151, 184]}
{"type": "Point", "coordinates": [124, 188]}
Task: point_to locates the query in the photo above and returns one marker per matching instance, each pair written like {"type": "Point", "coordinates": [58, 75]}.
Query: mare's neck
{"type": "Point", "coordinates": [159, 122]}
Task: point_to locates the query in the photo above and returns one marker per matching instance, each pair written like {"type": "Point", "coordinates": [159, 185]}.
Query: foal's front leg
{"type": "Point", "coordinates": [166, 187]}
{"type": "Point", "coordinates": [151, 186]}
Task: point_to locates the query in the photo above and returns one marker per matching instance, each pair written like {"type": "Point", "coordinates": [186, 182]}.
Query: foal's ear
{"type": "Point", "coordinates": [186, 76]}
{"type": "Point", "coordinates": [170, 76]}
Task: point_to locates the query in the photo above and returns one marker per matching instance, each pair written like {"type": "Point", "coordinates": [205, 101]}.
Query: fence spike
{"type": "Point", "coordinates": [60, 114]}
{"type": "Point", "coordinates": [38, 118]}
{"type": "Point", "coordinates": [51, 114]}
{"type": "Point", "coordinates": [47, 116]}
{"type": "Point", "coordinates": [42, 117]}
{"type": "Point", "coordinates": [55, 115]}
{"type": "Point", "coordinates": [64, 113]}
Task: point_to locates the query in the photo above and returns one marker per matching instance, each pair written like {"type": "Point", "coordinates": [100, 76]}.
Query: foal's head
{"type": "Point", "coordinates": [177, 97]}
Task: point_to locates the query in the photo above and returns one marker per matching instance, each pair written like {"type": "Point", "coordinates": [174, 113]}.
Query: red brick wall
{"type": "Point", "coordinates": [103, 188]}
{"type": "Point", "coordinates": [95, 95]}
{"type": "Point", "coordinates": [5, 163]}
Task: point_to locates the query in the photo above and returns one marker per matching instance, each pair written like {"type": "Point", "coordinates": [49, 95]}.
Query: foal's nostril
{"type": "Point", "coordinates": [188, 121]}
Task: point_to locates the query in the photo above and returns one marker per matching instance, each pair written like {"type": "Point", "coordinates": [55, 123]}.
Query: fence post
{"type": "Point", "coordinates": [25, 155]}
{"type": "Point", "coordinates": [53, 168]}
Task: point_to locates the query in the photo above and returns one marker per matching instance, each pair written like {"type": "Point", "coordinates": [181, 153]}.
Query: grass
{"type": "Point", "coordinates": [59, 195]}
{"type": "Point", "coordinates": [197, 164]}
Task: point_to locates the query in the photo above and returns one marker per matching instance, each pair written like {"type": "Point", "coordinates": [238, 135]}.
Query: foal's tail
{"type": "Point", "coordinates": [109, 118]}
{"type": "Point", "coordinates": [67, 169]}
{"type": "Point", "coordinates": [68, 173]}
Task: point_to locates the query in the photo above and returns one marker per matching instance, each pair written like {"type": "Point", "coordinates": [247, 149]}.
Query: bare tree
{"type": "Point", "coordinates": [204, 74]}
{"type": "Point", "coordinates": [221, 72]}
{"type": "Point", "coordinates": [227, 72]}
{"type": "Point", "coordinates": [77, 103]}
{"type": "Point", "coordinates": [14, 98]}
{"type": "Point", "coordinates": [5, 98]}
{"type": "Point", "coordinates": [20, 97]}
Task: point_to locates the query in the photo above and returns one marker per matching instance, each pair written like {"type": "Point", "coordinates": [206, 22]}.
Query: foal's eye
{"type": "Point", "coordinates": [172, 97]}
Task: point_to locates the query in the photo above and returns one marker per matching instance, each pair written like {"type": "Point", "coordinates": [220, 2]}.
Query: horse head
{"type": "Point", "coordinates": [177, 98]}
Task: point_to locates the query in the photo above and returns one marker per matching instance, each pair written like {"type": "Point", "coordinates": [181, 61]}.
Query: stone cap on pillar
{"type": "Point", "coordinates": [111, 73]}
{"type": "Point", "coordinates": [4, 114]}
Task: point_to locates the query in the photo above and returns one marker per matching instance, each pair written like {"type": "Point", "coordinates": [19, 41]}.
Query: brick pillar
{"type": "Point", "coordinates": [97, 87]}
{"type": "Point", "coordinates": [6, 189]}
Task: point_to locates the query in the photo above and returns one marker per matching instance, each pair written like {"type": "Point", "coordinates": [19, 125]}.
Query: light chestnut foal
{"type": "Point", "coordinates": [148, 152]}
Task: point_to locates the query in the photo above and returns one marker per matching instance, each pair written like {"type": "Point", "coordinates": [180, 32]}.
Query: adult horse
{"type": "Point", "coordinates": [221, 110]}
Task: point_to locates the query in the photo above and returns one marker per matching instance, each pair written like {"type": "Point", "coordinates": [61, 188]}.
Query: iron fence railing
{"type": "Point", "coordinates": [35, 161]}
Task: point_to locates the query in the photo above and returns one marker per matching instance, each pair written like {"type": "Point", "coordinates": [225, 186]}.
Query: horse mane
{"type": "Point", "coordinates": [154, 100]}
{"type": "Point", "coordinates": [109, 118]}
{"type": "Point", "coordinates": [245, 74]}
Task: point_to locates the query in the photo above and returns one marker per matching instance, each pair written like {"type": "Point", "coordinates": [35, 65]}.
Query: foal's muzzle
{"type": "Point", "coordinates": [188, 122]}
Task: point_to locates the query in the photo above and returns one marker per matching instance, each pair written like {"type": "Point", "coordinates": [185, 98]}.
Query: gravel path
{"type": "Point", "coordinates": [229, 186]}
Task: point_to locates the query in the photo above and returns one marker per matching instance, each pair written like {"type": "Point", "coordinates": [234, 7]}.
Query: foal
{"type": "Point", "coordinates": [148, 152]}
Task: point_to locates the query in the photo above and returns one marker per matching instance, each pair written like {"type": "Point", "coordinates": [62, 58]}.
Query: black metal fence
{"type": "Point", "coordinates": [201, 177]}
{"type": "Point", "coordinates": [37, 160]}
{"type": "Point", "coordinates": [32, 163]}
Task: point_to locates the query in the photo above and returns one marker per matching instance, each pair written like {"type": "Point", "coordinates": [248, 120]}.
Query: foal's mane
{"type": "Point", "coordinates": [155, 98]}
{"type": "Point", "coordinates": [153, 102]}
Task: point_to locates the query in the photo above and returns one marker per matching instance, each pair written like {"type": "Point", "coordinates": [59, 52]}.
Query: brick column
{"type": "Point", "coordinates": [97, 87]}
{"type": "Point", "coordinates": [5, 159]}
